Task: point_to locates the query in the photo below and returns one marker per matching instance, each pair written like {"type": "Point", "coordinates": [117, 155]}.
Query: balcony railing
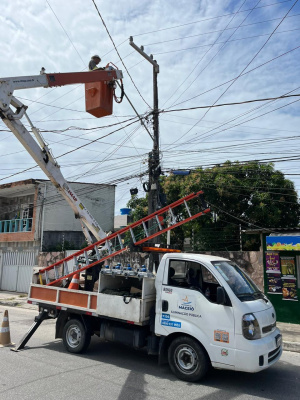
{"type": "Point", "coordinates": [16, 225]}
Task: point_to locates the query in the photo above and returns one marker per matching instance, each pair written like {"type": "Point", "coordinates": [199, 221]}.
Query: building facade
{"type": "Point", "coordinates": [35, 217]}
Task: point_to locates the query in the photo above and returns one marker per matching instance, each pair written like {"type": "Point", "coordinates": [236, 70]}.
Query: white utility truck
{"type": "Point", "coordinates": [197, 311]}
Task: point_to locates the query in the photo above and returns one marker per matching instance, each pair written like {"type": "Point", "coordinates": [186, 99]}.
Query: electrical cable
{"type": "Point", "coordinates": [244, 69]}
{"type": "Point", "coordinates": [208, 19]}
{"type": "Point", "coordinates": [225, 42]}
{"type": "Point", "coordinates": [243, 74]}
{"type": "Point", "coordinates": [220, 30]}
{"type": "Point", "coordinates": [119, 54]}
{"type": "Point", "coordinates": [71, 151]}
{"type": "Point", "coordinates": [211, 47]}
{"type": "Point", "coordinates": [231, 104]}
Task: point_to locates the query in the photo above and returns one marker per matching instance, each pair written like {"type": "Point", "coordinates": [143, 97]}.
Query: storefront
{"type": "Point", "coordinates": [281, 259]}
{"type": "Point", "coordinates": [281, 275]}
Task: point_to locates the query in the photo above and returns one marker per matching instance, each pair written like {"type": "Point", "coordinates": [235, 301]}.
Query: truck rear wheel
{"type": "Point", "coordinates": [187, 359]}
{"type": "Point", "coordinates": [76, 338]}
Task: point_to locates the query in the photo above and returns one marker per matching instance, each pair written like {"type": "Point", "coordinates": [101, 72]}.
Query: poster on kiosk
{"type": "Point", "coordinates": [281, 270]}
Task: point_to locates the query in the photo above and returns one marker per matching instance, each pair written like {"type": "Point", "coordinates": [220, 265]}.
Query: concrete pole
{"type": "Point", "coordinates": [153, 161]}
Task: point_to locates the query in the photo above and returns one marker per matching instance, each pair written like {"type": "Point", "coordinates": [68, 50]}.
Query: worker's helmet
{"type": "Point", "coordinates": [96, 56]}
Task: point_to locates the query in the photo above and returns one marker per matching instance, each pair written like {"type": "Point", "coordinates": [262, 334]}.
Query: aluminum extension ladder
{"type": "Point", "coordinates": [61, 270]}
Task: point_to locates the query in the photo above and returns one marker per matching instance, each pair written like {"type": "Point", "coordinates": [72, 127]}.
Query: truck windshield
{"type": "Point", "coordinates": [242, 286]}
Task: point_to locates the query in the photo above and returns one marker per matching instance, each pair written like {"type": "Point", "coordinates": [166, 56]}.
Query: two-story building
{"type": "Point", "coordinates": [34, 216]}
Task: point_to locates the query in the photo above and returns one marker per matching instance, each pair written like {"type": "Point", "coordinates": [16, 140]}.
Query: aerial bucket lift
{"type": "Point", "coordinates": [100, 87]}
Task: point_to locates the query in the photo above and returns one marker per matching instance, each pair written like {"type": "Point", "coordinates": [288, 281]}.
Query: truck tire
{"type": "Point", "coordinates": [187, 359]}
{"type": "Point", "coordinates": [76, 338]}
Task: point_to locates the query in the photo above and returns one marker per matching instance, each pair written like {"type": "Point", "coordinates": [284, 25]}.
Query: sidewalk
{"type": "Point", "coordinates": [13, 299]}
{"type": "Point", "coordinates": [290, 336]}
{"type": "Point", "coordinates": [290, 332]}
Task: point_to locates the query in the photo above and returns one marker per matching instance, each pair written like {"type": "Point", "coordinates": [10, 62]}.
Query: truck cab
{"type": "Point", "coordinates": [209, 311]}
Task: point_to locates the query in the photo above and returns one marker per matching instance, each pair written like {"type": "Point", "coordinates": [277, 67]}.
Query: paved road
{"type": "Point", "coordinates": [109, 371]}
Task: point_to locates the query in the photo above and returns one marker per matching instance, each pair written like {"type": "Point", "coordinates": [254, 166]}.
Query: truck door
{"type": "Point", "coordinates": [189, 305]}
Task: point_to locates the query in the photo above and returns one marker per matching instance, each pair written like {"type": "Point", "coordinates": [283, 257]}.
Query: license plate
{"type": "Point", "coordinates": [278, 340]}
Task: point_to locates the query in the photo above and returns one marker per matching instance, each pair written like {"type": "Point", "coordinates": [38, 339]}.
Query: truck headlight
{"type": "Point", "coordinates": [250, 327]}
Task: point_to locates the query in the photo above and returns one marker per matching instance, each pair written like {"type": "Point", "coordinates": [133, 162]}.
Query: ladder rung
{"type": "Point", "coordinates": [187, 208]}
{"type": "Point", "coordinates": [75, 266]}
{"type": "Point", "coordinates": [86, 257]}
{"type": "Point", "coordinates": [172, 215]}
{"type": "Point", "coordinates": [132, 235]}
{"type": "Point", "coordinates": [56, 273]}
{"type": "Point", "coordinates": [120, 241]}
{"type": "Point", "coordinates": [46, 277]}
{"type": "Point", "coordinates": [158, 222]}
{"type": "Point", "coordinates": [145, 229]}
{"type": "Point", "coordinates": [108, 246]}
{"type": "Point", "coordinates": [66, 269]}
{"type": "Point", "coordinates": [97, 252]}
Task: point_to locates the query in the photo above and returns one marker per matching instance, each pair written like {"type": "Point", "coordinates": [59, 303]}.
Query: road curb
{"type": "Point", "coordinates": [17, 303]}
{"type": "Point", "coordinates": [291, 346]}
{"type": "Point", "coordinates": [10, 303]}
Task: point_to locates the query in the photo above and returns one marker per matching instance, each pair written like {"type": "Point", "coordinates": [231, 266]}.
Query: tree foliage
{"type": "Point", "coordinates": [241, 197]}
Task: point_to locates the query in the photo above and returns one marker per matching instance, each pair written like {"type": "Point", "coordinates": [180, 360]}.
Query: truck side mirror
{"type": "Point", "coordinates": [221, 295]}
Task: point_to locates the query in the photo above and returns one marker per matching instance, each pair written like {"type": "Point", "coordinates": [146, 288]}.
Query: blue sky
{"type": "Point", "coordinates": [198, 44]}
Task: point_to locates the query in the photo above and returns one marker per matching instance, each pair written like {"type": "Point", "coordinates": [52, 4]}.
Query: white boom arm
{"type": "Point", "coordinates": [38, 149]}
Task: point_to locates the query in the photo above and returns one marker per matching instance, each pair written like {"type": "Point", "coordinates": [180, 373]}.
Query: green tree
{"type": "Point", "coordinates": [246, 196]}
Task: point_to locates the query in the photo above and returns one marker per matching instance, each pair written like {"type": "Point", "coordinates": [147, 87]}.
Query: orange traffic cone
{"type": "Point", "coordinates": [4, 332]}
{"type": "Point", "coordinates": [75, 282]}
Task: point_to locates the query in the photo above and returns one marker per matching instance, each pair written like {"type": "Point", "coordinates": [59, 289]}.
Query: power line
{"type": "Point", "coordinates": [225, 42]}
{"type": "Point", "coordinates": [71, 151]}
{"type": "Point", "coordinates": [211, 46]}
{"type": "Point", "coordinates": [65, 31]}
{"type": "Point", "coordinates": [231, 104]}
{"type": "Point", "coordinates": [50, 105]}
{"type": "Point", "coordinates": [244, 69]}
{"type": "Point", "coordinates": [243, 74]}
{"type": "Point", "coordinates": [239, 116]}
{"type": "Point", "coordinates": [253, 58]}
{"type": "Point", "coordinates": [119, 54]}
{"type": "Point", "coordinates": [208, 19]}
{"type": "Point", "coordinates": [251, 119]}
{"type": "Point", "coordinates": [217, 31]}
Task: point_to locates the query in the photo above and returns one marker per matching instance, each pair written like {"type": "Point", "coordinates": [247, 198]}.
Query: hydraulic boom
{"type": "Point", "coordinates": [11, 112]}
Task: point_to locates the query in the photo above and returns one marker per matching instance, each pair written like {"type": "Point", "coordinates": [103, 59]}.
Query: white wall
{"type": "Point", "coordinates": [98, 199]}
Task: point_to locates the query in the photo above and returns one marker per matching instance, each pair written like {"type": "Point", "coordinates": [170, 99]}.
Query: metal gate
{"type": "Point", "coordinates": [16, 270]}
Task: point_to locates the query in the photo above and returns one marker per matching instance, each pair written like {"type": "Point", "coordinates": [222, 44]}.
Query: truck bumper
{"type": "Point", "coordinates": [256, 355]}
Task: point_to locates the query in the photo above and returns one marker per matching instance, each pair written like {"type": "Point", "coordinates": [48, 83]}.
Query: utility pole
{"type": "Point", "coordinates": [153, 161]}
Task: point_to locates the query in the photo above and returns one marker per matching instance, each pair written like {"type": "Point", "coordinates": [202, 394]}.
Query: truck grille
{"type": "Point", "coordinates": [273, 354]}
{"type": "Point", "coordinates": [269, 328]}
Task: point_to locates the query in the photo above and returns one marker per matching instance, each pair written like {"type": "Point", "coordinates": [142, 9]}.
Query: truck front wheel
{"type": "Point", "coordinates": [187, 359]}
{"type": "Point", "coordinates": [76, 338]}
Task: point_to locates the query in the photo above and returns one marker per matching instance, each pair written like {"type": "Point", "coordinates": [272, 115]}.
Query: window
{"type": "Point", "coordinates": [207, 276]}
{"type": "Point", "coordinates": [194, 276]}
{"type": "Point", "coordinates": [240, 283]}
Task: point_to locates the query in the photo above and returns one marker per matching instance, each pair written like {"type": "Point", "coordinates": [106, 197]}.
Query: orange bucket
{"type": "Point", "coordinates": [99, 99]}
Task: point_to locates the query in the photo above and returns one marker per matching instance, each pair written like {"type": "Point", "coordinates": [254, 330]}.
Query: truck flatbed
{"type": "Point", "coordinates": [135, 310]}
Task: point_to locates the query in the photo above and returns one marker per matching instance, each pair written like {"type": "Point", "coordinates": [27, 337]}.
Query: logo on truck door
{"type": "Point", "coordinates": [186, 304]}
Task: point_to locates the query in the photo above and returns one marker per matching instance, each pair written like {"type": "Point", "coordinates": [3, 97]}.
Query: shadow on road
{"type": "Point", "coordinates": [278, 382]}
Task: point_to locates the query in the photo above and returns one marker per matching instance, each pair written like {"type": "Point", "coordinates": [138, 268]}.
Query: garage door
{"type": "Point", "coordinates": [17, 270]}
{"type": "Point", "coordinates": [9, 278]}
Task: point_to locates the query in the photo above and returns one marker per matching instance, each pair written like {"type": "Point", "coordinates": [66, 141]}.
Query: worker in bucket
{"type": "Point", "coordinates": [93, 64]}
